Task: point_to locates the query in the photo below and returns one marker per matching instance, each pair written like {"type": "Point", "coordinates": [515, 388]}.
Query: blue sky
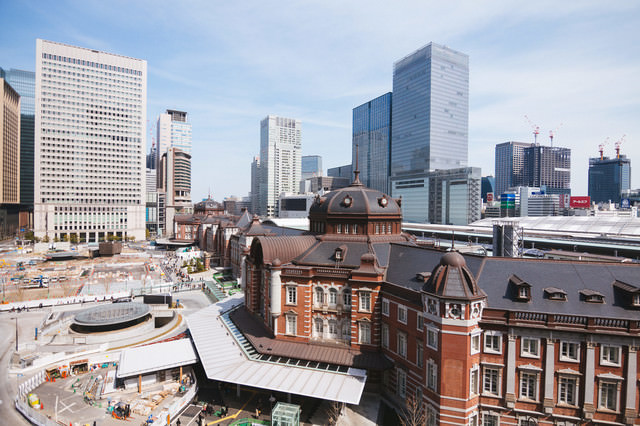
{"type": "Point", "coordinates": [229, 64]}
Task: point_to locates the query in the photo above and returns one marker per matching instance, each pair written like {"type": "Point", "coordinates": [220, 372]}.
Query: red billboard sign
{"type": "Point", "coordinates": [489, 197]}
{"type": "Point", "coordinates": [580, 202]}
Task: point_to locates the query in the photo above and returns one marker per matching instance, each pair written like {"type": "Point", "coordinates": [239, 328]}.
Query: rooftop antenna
{"type": "Point", "coordinates": [553, 132]}
{"type": "Point", "coordinates": [356, 172]}
{"type": "Point", "coordinates": [601, 148]}
{"type": "Point", "coordinates": [536, 130]}
{"type": "Point", "coordinates": [618, 145]}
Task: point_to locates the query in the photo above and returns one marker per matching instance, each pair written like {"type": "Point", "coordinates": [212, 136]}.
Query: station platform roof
{"type": "Point", "coordinates": [156, 357]}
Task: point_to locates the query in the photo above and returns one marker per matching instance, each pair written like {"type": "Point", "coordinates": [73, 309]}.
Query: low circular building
{"type": "Point", "coordinates": [114, 316]}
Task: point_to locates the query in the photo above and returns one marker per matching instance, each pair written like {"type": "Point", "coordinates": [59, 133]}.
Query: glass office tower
{"type": "Point", "coordinates": [608, 177]}
{"type": "Point", "coordinates": [509, 165]}
{"type": "Point", "coordinates": [372, 137]}
{"type": "Point", "coordinates": [24, 82]}
{"type": "Point", "coordinates": [311, 166]}
{"type": "Point", "coordinates": [430, 116]}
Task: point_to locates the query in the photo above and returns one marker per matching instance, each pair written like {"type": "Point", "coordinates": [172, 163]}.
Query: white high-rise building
{"type": "Point", "coordinates": [173, 130]}
{"type": "Point", "coordinates": [280, 161]}
{"type": "Point", "coordinates": [90, 119]}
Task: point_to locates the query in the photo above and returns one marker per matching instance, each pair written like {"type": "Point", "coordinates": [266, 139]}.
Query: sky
{"type": "Point", "coordinates": [569, 66]}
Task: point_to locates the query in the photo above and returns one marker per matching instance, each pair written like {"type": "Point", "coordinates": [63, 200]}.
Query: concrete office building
{"type": "Point", "coordinates": [280, 161]}
{"type": "Point", "coordinates": [509, 165]}
{"type": "Point", "coordinates": [608, 177]}
{"type": "Point", "coordinates": [172, 130]}
{"type": "Point", "coordinates": [174, 173]}
{"type": "Point", "coordinates": [24, 82]}
{"type": "Point", "coordinates": [9, 144]}
{"type": "Point", "coordinates": [549, 168]}
{"type": "Point", "coordinates": [371, 142]}
{"type": "Point", "coordinates": [89, 143]}
{"type": "Point", "coordinates": [430, 117]}
{"type": "Point", "coordinates": [255, 186]}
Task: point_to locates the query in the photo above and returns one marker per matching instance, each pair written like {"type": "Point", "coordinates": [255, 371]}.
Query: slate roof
{"type": "Point", "coordinates": [285, 248]}
{"type": "Point", "coordinates": [364, 201]}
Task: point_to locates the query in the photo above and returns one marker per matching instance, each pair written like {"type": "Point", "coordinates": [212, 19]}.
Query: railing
{"type": "Point", "coordinates": [333, 272]}
{"type": "Point", "coordinates": [551, 320]}
{"type": "Point", "coordinates": [611, 322]}
{"type": "Point", "coordinates": [530, 316]}
{"type": "Point", "coordinates": [570, 319]}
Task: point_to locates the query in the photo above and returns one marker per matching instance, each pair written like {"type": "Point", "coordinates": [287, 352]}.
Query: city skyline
{"type": "Point", "coordinates": [535, 60]}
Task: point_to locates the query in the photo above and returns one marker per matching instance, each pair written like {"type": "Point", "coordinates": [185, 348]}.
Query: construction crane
{"type": "Point", "coordinates": [536, 130]}
{"type": "Point", "coordinates": [601, 148]}
{"type": "Point", "coordinates": [618, 145]}
{"type": "Point", "coordinates": [553, 132]}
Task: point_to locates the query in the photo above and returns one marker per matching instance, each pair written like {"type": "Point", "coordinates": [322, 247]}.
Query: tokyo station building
{"type": "Point", "coordinates": [475, 340]}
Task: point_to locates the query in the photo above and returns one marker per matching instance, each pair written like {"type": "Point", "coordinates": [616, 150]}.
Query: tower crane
{"type": "Point", "coordinates": [536, 129]}
{"type": "Point", "coordinates": [618, 145]}
{"type": "Point", "coordinates": [553, 132]}
{"type": "Point", "coordinates": [601, 148]}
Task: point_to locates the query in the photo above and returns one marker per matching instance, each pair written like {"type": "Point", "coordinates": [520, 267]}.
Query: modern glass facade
{"type": "Point", "coordinates": [608, 178]}
{"type": "Point", "coordinates": [24, 82]}
{"type": "Point", "coordinates": [430, 111]}
{"type": "Point", "coordinates": [509, 165]}
{"type": "Point", "coordinates": [311, 166]}
{"type": "Point", "coordinates": [372, 137]}
{"type": "Point", "coordinates": [548, 167]}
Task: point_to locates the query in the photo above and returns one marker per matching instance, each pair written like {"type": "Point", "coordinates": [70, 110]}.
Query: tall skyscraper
{"type": "Point", "coordinates": [255, 185]}
{"type": "Point", "coordinates": [345, 171]}
{"type": "Point", "coordinates": [89, 143]}
{"type": "Point", "coordinates": [173, 130]}
{"type": "Point", "coordinates": [430, 116]}
{"type": "Point", "coordinates": [174, 173]}
{"type": "Point", "coordinates": [608, 177]}
{"type": "Point", "coordinates": [311, 166]}
{"type": "Point", "coordinates": [371, 142]}
{"type": "Point", "coordinates": [24, 82]}
{"type": "Point", "coordinates": [9, 144]}
{"type": "Point", "coordinates": [509, 165]}
{"type": "Point", "coordinates": [548, 168]}
{"type": "Point", "coordinates": [280, 160]}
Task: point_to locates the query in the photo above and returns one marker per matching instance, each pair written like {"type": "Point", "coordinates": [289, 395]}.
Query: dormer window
{"type": "Point", "coordinates": [627, 292]}
{"type": "Point", "coordinates": [636, 300]}
{"type": "Point", "coordinates": [347, 201]}
{"type": "Point", "coordinates": [521, 288]}
{"type": "Point", "coordinates": [338, 254]}
{"type": "Point", "coordinates": [592, 296]}
{"type": "Point", "coordinates": [556, 294]}
{"type": "Point", "coordinates": [383, 201]}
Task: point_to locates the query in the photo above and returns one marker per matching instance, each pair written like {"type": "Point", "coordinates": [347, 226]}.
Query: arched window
{"type": "Point", "coordinates": [346, 295]}
{"type": "Point", "coordinates": [318, 327]}
{"type": "Point", "coordinates": [319, 296]}
{"type": "Point", "coordinates": [333, 329]}
{"type": "Point", "coordinates": [333, 296]}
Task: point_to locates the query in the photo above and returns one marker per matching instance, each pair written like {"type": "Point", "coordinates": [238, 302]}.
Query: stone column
{"type": "Point", "coordinates": [632, 374]}
{"type": "Point", "coordinates": [589, 381]}
{"type": "Point", "coordinates": [510, 397]}
{"type": "Point", "coordinates": [549, 368]}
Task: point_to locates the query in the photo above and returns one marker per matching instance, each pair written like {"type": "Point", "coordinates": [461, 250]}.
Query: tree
{"type": "Point", "coordinates": [65, 237]}
{"type": "Point", "coordinates": [413, 413]}
{"type": "Point", "coordinates": [334, 412]}
{"type": "Point", "coordinates": [132, 238]}
{"type": "Point", "coordinates": [73, 238]}
{"type": "Point", "coordinates": [29, 236]}
{"type": "Point", "coordinates": [147, 234]}
{"type": "Point", "coordinates": [45, 239]}
{"type": "Point", "coordinates": [56, 239]}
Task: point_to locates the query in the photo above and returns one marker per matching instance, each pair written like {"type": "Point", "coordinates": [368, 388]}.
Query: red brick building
{"type": "Point", "coordinates": [476, 340]}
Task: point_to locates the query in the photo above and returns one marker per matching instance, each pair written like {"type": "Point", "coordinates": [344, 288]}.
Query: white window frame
{"type": "Point", "coordinates": [364, 301]}
{"type": "Point", "coordinates": [291, 325]}
{"type": "Point", "coordinates": [292, 291]}
{"type": "Point", "coordinates": [432, 338]}
{"type": "Point", "coordinates": [385, 307]}
{"type": "Point", "coordinates": [491, 337]}
{"type": "Point", "coordinates": [333, 297]}
{"type": "Point", "coordinates": [568, 385]}
{"type": "Point", "coordinates": [525, 347]}
{"type": "Point", "coordinates": [402, 314]}
{"type": "Point", "coordinates": [528, 378]}
{"type": "Point", "coordinates": [318, 296]}
{"type": "Point", "coordinates": [476, 339]}
{"type": "Point", "coordinates": [490, 419]}
{"type": "Point", "coordinates": [401, 344]}
{"type": "Point", "coordinates": [364, 338]}
{"type": "Point", "coordinates": [384, 334]}
{"type": "Point", "coordinates": [401, 383]}
{"type": "Point", "coordinates": [346, 297]}
{"type": "Point", "coordinates": [492, 377]}
{"type": "Point", "coordinates": [604, 403]}
{"type": "Point", "coordinates": [432, 375]}
{"type": "Point", "coordinates": [605, 355]}
{"type": "Point", "coordinates": [473, 420]}
{"type": "Point", "coordinates": [474, 381]}
{"type": "Point", "coordinates": [565, 350]}
{"type": "Point", "coordinates": [318, 327]}
{"type": "Point", "coordinates": [333, 329]}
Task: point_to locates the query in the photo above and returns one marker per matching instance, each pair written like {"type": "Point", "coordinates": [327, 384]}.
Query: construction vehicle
{"type": "Point", "coordinates": [121, 411]}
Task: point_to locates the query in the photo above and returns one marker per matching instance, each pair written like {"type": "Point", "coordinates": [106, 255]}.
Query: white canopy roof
{"type": "Point", "coordinates": [155, 357]}
{"type": "Point", "coordinates": [224, 360]}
